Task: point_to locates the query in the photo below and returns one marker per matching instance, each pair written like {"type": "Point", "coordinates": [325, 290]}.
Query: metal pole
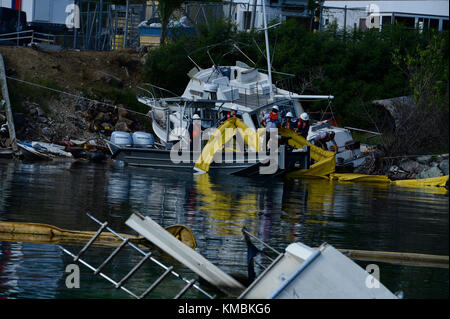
{"type": "Point", "coordinates": [253, 15]}
{"type": "Point", "coordinates": [125, 35]}
{"type": "Point", "coordinates": [345, 18]}
{"type": "Point", "coordinates": [266, 35]}
{"type": "Point", "coordinates": [18, 26]}
{"type": "Point", "coordinates": [75, 29]}
{"type": "Point", "coordinates": [9, 114]}
{"type": "Point", "coordinates": [100, 23]}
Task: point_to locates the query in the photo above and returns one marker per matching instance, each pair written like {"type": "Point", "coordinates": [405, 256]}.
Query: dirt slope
{"type": "Point", "coordinates": [43, 115]}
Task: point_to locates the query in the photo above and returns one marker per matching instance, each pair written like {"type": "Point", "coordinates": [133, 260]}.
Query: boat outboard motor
{"type": "Point", "coordinates": [121, 138]}
{"type": "Point", "coordinates": [143, 140]}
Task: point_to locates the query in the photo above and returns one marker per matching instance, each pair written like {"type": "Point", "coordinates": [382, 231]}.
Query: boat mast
{"type": "Point", "coordinates": [266, 35]}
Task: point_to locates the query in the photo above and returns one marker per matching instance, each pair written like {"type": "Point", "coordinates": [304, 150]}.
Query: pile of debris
{"type": "Point", "coordinates": [104, 119]}
{"type": "Point", "coordinates": [80, 125]}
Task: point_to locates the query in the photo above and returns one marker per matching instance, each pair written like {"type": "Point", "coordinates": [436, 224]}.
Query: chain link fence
{"type": "Point", "coordinates": [105, 26]}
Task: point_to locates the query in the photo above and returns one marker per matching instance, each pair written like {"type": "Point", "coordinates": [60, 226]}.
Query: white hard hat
{"type": "Point", "coordinates": [293, 120]}
{"type": "Point", "coordinates": [234, 108]}
{"type": "Point", "coordinates": [275, 107]}
{"type": "Point", "coordinates": [196, 117]}
{"type": "Point", "coordinates": [304, 117]}
{"type": "Point", "coordinates": [289, 114]}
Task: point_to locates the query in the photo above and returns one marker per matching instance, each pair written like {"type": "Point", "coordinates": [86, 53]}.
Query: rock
{"type": "Point", "coordinates": [122, 126]}
{"type": "Point", "coordinates": [47, 131]}
{"type": "Point", "coordinates": [420, 168]}
{"type": "Point", "coordinates": [42, 119]}
{"type": "Point", "coordinates": [409, 166]}
{"type": "Point", "coordinates": [393, 169]}
{"type": "Point", "coordinates": [444, 166]}
{"type": "Point", "coordinates": [102, 117]}
{"type": "Point", "coordinates": [425, 159]}
{"type": "Point", "coordinates": [109, 79]}
{"type": "Point", "coordinates": [430, 172]}
{"type": "Point", "coordinates": [125, 120]}
{"type": "Point", "coordinates": [401, 176]}
{"type": "Point", "coordinates": [412, 176]}
{"type": "Point", "coordinates": [121, 111]}
{"type": "Point", "coordinates": [88, 114]}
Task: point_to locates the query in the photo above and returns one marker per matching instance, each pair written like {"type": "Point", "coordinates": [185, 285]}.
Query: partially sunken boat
{"type": "Point", "coordinates": [248, 88]}
{"type": "Point", "coordinates": [174, 151]}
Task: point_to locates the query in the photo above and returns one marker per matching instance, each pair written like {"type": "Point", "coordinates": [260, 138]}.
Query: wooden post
{"type": "Point", "coordinates": [9, 115]}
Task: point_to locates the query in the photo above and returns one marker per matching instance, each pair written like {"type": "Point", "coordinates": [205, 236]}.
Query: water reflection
{"type": "Point", "coordinates": [28, 271]}
{"type": "Point", "coordinates": [278, 211]}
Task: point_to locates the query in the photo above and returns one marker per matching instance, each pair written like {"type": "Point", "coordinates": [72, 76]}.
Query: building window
{"type": "Point", "coordinates": [362, 24]}
{"type": "Point", "coordinates": [247, 19]}
{"type": "Point", "coordinates": [385, 20]}
{"type": "Point", "coordinates": [407, 22]}
{"type": "Point", "coordinates": [444, 25]}
{"type": "Point", "coordinates": [434, 24]}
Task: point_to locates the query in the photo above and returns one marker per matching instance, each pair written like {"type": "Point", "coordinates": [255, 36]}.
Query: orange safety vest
{"type": "Point", "coordinates": [301, 124]}
{"type": "Point", "coordinates": [273, 116]}
{"type": "Point", "coordinates": [196, 131]}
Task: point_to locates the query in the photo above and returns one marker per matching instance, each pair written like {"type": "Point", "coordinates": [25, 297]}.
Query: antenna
{"type": "Point", "coordinates": [266, 35]}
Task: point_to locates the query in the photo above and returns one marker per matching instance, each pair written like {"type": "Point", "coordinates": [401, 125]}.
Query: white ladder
{"type": "Point", "coordinates": [146, 256]}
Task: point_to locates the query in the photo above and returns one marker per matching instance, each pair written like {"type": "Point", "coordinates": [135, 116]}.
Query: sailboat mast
{"type": "Point", "coordinates": [266, 35]}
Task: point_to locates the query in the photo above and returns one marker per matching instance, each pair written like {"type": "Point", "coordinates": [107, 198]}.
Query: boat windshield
{"type": "Point", "coordinates": [207, 112]}
{"type": "Point", "coordinates": [283, 106]}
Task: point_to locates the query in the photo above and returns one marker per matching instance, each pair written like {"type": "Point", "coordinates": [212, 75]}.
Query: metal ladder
{"type": "Point", "coordinates": [146, 256]}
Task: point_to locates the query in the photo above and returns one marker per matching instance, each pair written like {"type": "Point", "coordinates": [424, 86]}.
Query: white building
{"type": "Point", "coordinates": [374, 14]}
{"type": "Point", "coordinates": [248, 14]}
{"type": "Point", "coordinates": [52, 12]}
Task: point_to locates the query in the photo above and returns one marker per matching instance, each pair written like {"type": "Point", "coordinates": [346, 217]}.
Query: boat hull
{"type": "Point", "coordinates": [241, 162]}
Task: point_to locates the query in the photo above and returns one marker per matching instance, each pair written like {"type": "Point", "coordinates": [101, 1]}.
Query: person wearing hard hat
{"type": "Point", "coordinates": [322, 138]}
{"type": "Point", "coordinates": [288, 123]}
{"type": "Point", "coordinates": [303, 125]}
{"type": "Point", "coordinates": [272, 120]}
{"type": "Point", "coordinates": [195, 128]}
{"type": "Point", "coordinates": [231, 114]}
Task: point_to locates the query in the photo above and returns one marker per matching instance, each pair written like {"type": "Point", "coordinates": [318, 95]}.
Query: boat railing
{"type": "Point", "coordinates": [157, 92]}
{"type": "Point", "coordinates": [263, 251]}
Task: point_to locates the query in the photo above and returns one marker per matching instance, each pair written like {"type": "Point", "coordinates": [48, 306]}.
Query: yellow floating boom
{"type": "Point", "coordinates": [43, 233]}
{"type": "Point", "coordinates": [325, 160]}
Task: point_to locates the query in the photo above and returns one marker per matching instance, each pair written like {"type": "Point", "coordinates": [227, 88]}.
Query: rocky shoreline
{"type": "Point", "coordinates": [405, 167]}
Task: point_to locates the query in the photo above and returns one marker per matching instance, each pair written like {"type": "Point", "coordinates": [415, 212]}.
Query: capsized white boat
{"type": "Point", "coordinates": [301, 272]}
{"type": "Point", "coordinates": [223, 87]}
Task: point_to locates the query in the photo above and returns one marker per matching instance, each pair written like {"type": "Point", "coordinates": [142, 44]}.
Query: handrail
{"type": "Point", "coordinates": [15, 33]}
{"type": "Point", "coordinates": [20, 36]}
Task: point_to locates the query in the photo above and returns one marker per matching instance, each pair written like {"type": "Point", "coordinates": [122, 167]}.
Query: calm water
{"type": "Point", "coordinates": [279, 211]}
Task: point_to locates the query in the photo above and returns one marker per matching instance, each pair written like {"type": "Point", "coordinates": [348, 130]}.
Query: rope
{"type": "Point", "coordinates": [76, 96]}
{"type": "Point", "coordinates": [331, 110]}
